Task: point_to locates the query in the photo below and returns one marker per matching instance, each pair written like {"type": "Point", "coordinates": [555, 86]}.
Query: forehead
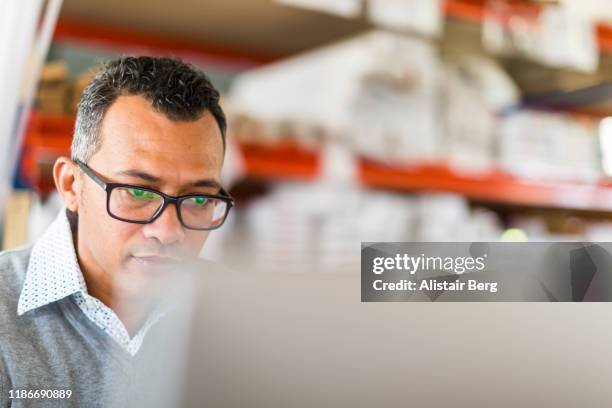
{"type": "Point", "coordinates": [135, 135]}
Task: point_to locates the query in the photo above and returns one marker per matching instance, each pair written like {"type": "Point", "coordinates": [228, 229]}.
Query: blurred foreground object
{"type": "Point", "coordinates": [26, 28]}
{"type": "Point", "coordinates": [304, 340]}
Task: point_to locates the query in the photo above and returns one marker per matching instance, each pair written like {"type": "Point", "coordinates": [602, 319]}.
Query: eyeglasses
{"type": "Point", "coordinates": [142, 205]}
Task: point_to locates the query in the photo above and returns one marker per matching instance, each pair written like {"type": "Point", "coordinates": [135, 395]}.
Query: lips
{"type": "Point", "coordinates": [155, 260]}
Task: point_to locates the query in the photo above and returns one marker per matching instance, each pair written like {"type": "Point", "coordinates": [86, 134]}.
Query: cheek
{"type": "Point", "coordinates": [108, 238]}
{"type": "Point", "coordinates": [194, 240]}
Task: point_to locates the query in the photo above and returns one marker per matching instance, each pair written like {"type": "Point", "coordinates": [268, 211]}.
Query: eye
{"type": "Point", "coordinates": [142, 194]}
{"type": "Point", "coordinates": [197, 201]}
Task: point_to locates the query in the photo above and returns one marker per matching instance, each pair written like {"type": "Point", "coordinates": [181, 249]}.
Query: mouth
{"type": "Point", "coordinates": [154, 260]}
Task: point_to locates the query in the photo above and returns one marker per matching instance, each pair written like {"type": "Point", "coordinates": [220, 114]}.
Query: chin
{"type": "Point", "coordinates": [137, 282]}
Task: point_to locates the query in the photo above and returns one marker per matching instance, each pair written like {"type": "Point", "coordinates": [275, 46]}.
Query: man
{"type": "Point", "coordinates": [142, 192]}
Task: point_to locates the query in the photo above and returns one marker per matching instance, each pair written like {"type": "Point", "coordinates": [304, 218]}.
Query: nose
{"type": "Point", "coordinates": [167, 228]}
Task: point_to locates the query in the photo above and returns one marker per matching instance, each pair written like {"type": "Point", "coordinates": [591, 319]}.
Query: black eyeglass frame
{"type": "Point", "coordinates": [176, 200]}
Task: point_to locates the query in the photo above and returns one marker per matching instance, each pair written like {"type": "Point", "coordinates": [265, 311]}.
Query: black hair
{"type": "Point", "coordinates": [174, 88]}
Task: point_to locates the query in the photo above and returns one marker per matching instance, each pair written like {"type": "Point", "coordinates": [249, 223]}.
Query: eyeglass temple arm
{"type": "Point", "coordinates": [91, 174]}
{"type": "Point", "coordinates": [226, 194]}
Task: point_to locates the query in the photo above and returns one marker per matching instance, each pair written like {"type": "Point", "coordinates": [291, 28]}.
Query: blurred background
{"type": "Point", "coordinates": [349, 120]}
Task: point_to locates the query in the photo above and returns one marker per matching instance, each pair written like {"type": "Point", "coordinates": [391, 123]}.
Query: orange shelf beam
{"type": "Point", "coordinates": [472, 11]}
{"type": "Point", "coordinates": [285, 161]}
{"type": "Point", "coordinates": [50, 123]}
{"type": "Point", "coordinates": [496, 187]}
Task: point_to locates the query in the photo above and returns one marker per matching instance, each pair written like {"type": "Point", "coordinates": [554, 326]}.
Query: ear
{"type": "Point", "coordinates": [66, 182]}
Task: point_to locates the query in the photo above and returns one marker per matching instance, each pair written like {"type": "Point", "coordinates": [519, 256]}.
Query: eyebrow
{"type": "Point", "coordinates": [154, 179]}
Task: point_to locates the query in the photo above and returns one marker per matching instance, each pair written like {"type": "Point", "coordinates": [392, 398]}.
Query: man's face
{"type": "Point", "coordinates": [143, 147]}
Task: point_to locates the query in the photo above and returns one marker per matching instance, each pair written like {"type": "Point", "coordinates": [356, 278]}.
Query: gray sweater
{"type": "Point", "coordinates": [56, 347]}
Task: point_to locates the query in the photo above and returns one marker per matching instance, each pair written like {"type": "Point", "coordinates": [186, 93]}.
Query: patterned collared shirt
{"type": "Point", "coordinates": [53, 273]}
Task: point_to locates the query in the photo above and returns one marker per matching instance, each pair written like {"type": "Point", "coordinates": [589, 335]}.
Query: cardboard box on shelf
{"type": "Point", "coordinates": [52, 93]}
{"type": "Point", "coordinates": [377, 90]}
{"type": "Point", "coordinates": [474, 90]}
{"type": "Point", "coordinates": [54, 72]}
{"type": "Point", "coordinates": [552, 146]}
{"type": "Point", "coordinates": [52, 98]}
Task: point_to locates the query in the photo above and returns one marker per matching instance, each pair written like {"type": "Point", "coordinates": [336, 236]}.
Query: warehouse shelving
{"type": "Point", "coordinates": [472, 11]}
{"type": "Point", "coordinates": [70, 30]}
{"type": "Point", "coordinates": [49, 136]}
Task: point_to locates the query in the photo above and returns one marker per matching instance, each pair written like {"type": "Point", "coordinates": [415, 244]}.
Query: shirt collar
{"type": "Point", "coordinates": [53, 271]}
